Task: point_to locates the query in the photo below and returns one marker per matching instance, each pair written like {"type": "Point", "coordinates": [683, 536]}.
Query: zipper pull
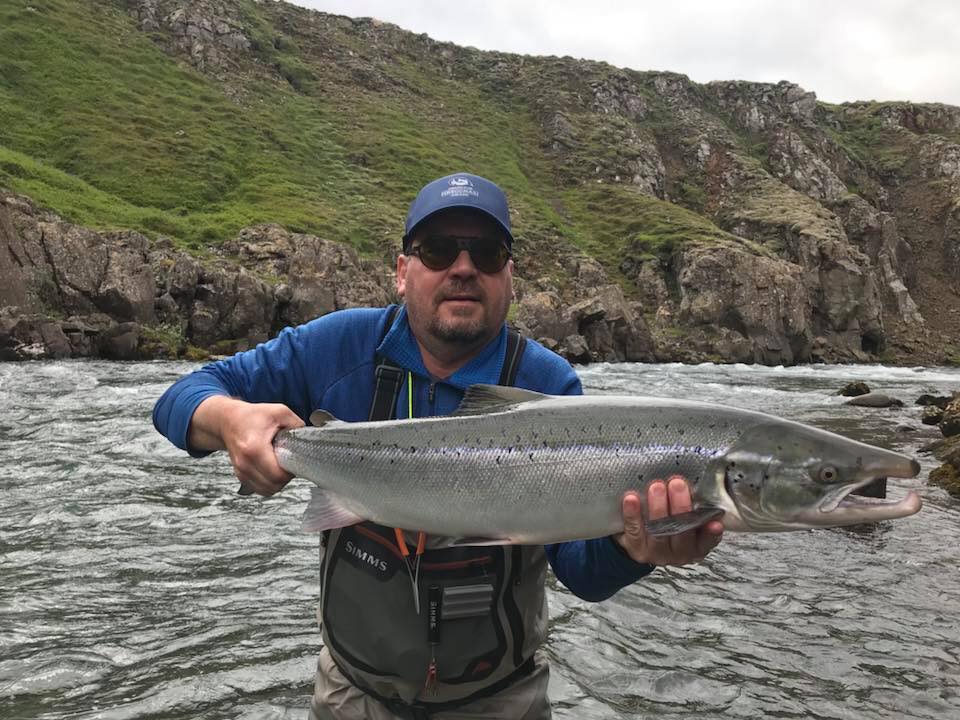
{"type": "Point", "coordinates": [431, 392]}
{"type": "Point", "coordinates": [434, 609]}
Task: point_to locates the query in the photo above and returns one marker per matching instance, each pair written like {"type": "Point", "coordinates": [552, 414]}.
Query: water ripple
{"type": "Point", "coordinates": [137, 584]}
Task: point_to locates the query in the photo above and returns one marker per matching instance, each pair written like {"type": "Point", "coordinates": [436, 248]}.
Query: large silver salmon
{"type": "Point", "coordinates": [514, 466]}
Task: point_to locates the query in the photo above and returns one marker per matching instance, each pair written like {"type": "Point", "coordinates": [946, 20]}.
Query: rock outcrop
{"type": "Point", "coordinates": [69, 291]}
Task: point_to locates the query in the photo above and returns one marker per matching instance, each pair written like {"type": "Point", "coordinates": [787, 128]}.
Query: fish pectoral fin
{"type": "Point", "coordinates": [676, 524]}
{"type": "Point", "coordinates": [324, 512]}
{"type": "Point", "coordinates": [477, 540]}
{"type": "Point", "coordinates": [319, 418]}
{"type": "Point", "coordinates": [483, 399]}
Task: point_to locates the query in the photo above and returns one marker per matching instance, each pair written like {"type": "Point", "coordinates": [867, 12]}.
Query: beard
{"type": "Point", "coordinates": [465, 332]}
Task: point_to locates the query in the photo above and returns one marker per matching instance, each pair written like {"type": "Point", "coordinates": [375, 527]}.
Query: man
{"type": "Point", "coordinates": [379, 659]}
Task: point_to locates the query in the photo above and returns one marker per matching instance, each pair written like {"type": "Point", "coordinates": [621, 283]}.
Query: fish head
{"type": "Point", "coordinates": [788, 476]}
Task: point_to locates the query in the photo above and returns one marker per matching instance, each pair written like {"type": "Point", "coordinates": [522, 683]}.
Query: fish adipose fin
{"type": "Point", "coordinates": [483, 399]}
{"type": "Point", "coordinates": [324, 512]}
{"type": "Point", "coordinates": [676, 524]}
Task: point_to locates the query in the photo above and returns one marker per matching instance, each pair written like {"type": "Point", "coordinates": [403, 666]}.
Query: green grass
{"type": "Point", "coordinates": [101, 125]}
{"type": "Point", "coordinates": [616, 221]}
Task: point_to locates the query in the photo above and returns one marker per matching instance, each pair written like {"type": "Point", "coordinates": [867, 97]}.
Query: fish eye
{"type": "Point", "coordinates": [828, 474]}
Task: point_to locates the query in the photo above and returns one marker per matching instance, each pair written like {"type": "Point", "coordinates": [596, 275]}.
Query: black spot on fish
{"type": "Point", "coordinates": [498, 459]}
{"type": "Point", "coordinates": [640, 477]}
{"type": "Point", "coordinates": [531, 456]}
{"type": "Point", "coordinates": [413, 449]}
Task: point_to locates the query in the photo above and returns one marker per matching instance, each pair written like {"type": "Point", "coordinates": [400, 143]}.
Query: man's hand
{"type": "Point", "coordinates": [665, 499]}
{"type": "Point", "coordinates": [246, 431]}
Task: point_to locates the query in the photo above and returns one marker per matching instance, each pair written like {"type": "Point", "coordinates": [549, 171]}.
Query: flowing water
{"type": "Point", "coordinates": [135, 583]}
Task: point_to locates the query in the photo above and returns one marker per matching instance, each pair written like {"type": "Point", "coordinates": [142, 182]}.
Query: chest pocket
{"type": "Point", "coordinates": [370, 619]}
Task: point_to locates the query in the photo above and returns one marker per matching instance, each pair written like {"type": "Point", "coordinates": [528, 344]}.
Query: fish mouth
{"type": "Point", "coordinates": [843, 507]}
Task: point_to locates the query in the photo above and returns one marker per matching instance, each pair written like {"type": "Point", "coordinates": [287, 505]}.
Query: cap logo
{"type": "Point", "coordinates": [459, 187]}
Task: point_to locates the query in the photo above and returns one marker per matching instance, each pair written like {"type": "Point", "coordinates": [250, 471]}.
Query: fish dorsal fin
{"type": "Point", "coordinates": [319, 418]}
{"type": "Point", "coordinates": [483, 399]}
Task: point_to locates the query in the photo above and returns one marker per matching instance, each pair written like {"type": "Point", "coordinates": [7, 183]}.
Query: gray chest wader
{"type": "Point", "coordinates": [488, 603]}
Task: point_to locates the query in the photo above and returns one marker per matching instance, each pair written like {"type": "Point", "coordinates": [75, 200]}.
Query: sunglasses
{"type": "Point", "coordinates": [438, 252]}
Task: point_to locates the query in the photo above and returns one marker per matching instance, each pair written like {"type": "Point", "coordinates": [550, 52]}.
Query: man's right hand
{"type": "Point", "coordinates": [246, 431]}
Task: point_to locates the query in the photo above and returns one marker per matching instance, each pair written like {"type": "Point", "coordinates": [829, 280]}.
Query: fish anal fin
{"type": "Point", "coordinates": [319, 418]}
{"type": "Point", "coordinates": [482, 399]}
{"type": "Point", "coordinates": [676, 524]}
{"type": "Point", "coordinates": [325, 512]}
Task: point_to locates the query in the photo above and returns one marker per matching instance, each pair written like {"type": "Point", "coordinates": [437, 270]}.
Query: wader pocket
{"type": "Point", "coordinates": [471, 638]}
{"type": "Point", "coordinates": [371, 623]}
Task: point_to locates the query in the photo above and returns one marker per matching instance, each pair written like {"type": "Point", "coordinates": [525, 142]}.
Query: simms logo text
{"type": "Point", "coordinates": [364, 556]}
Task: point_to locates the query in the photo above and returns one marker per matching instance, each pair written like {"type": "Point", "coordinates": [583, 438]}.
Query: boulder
{"type": "Point", "coordinates": [120, 341]}
{"type": "Point", "coordinates": [875, 400]}
{"type": "Point", "coordinates": [931, 415]}
{"type": "Point", "coordinates": [542, 314]}
{"type": "Point", "coordinates": [574, 348]}
{"type": "Point", "coordinates": [939, 401]}
{"type": "Point", "coordinates": [950, 422]}
{"type": "Point", "coordinates": [854, 389]}
{"type": "Point", "coordinates": [947, 476]}
{"type": "Point", "coordinates": [611, 328]}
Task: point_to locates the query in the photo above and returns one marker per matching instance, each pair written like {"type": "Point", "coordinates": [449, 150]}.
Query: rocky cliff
{"type": "Point", "coordinates": [656, 218]}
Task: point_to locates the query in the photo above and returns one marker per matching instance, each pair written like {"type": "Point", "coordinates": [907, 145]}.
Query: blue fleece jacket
{"type": "Point", "coordinates": [328, 363]}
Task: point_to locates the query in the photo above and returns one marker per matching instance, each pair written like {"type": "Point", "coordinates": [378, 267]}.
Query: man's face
{"type": "Point", "coordinates": [460, 305]}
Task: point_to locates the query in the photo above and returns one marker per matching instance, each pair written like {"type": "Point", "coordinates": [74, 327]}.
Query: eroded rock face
{"type": "Point", "coordinates": [761, 299]}
{"type": "Point", "coordinates": [125, 299]}
{"type": "Point", "coordinates": [205, 30]}
{"type": "Point", "coordinates": [52, 264]}
{"type": "Point", "coordinates": [759, 106]}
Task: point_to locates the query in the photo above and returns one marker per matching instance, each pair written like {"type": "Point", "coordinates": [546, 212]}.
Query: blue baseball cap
{"type": "Point", "coordinates": [460, 190]}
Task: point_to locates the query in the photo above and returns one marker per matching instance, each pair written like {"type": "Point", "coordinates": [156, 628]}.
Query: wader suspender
{"type": "Point", "coordinates": [383, 407]}
{"type": "Point", "coordinates": [390, 377]}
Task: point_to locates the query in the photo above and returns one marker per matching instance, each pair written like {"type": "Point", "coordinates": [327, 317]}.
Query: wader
{"type": "Point", "coordinates": [468, 653]}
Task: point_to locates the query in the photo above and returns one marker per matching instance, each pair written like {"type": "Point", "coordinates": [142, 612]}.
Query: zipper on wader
{"type": "Point", "coordinates": [514, 618]}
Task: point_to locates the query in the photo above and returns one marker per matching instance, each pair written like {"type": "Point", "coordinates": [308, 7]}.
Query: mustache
{"type": "Point", "coordinates": [456, 289]}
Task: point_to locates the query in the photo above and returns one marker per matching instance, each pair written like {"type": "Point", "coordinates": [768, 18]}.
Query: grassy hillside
{"type": "Point", "coordinates": [329, 126]}
{"type": "Point", "coordinates": [97, 122]}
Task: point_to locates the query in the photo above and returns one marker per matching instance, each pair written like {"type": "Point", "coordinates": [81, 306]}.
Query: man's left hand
{"type": "Point", "coordinates": [664, 499]}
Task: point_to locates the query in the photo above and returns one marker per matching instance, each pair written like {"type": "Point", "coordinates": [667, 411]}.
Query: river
{"type": "Point", "coordinates": [135, 583]}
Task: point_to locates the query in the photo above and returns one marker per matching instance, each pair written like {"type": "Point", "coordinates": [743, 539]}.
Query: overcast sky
{"type": "Point", "coordinates": [840, 49]}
